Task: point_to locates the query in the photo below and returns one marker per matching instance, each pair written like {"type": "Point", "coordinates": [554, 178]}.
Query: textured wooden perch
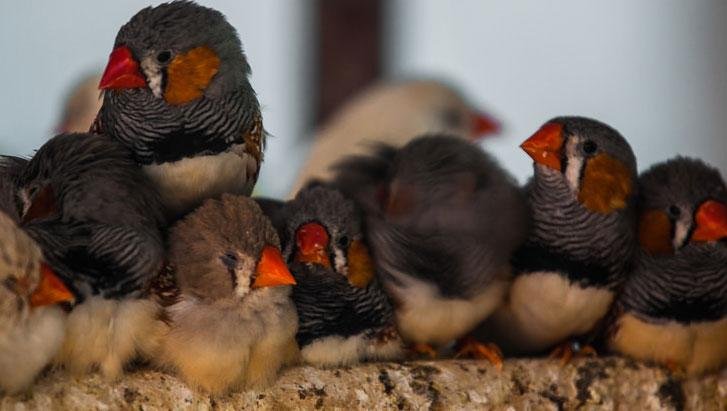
{"type": "Point", "coordinates": [602, 384]}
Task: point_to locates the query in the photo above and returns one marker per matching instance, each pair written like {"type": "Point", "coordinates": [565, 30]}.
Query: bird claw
{"type": "Point", "coordinates": [422, 350]}
{"type": "Point", "coordinates": [471, 348]}
{"type": "Point", "coordinates": [572, 349]}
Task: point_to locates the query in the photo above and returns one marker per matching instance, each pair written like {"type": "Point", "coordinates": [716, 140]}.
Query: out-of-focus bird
{"type": "Point", "coordinates": [345, 316]}
{"type": "Point", "coordinates": [32, 326]}
{"type": "Point", "coordinates": [443, 219]}
{"type": "Point", "coordinates": [176, 92]}
{"type": "Point", "coordinates": [581, 242]}
{"type": "Point", "coordinates": [98, 220]}
{"type": "Point", "coordinates": [393, 113]}
{"type": "Point", "coordinates": [673, 309]}
{"type": "Point", "coordinates": [232, 322]}
{"type": "Point", "coordinates": [10, 169]}
{"type": "Point", "coordinates": [81, 106]}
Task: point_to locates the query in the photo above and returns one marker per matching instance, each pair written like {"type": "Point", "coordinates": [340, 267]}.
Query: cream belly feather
{"type": "Point", "coordinates": [543, 309]}
{"type": "Point", "coordinates": [697, 347]}
{"type": "Point", "coordinates": [108, 334]}
{"type": "Point", "coordinates": [186, 183]}
{"type": "Point", "coordinates": [340, 351]}
{"type": "Point", "coordinates": [424, 316]}
{"type": "Point", "coordinates": [29, 347]}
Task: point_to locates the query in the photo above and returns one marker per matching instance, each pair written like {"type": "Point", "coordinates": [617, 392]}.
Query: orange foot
{"type": "Point", "coordinates": [675, 368]}
{"type": "Point", "coordinates": [571, 349]}
{"type": "Point", "coordinates": [469, 347]}
{"type": "Point", "coordinates": [421, 350]}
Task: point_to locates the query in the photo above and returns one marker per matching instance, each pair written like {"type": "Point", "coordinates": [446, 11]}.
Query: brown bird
{"type": "Point", "coordinates": [232, 323]}
{"type": "Point", "coordinates": [393, 113]}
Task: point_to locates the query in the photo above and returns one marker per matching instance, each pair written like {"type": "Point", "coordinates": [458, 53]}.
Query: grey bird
{"type": "Point", "coordinates": [10, 169]}
{"type": "Point", "coordinates": [582, 202]}
{"type": "Point", "coordinates": [98, 220]}
{"type": "Point", "coordinates": [345, 316]}
{"type": "Point", "coordinates": [231, 321]}
{"type": "Point", "coordinates": [177, 94]}
{"type": "Point", "coordinates": [32, 325]}
{"type": "Point", "coordinates": [443, 219]}
{"type": "Point", "coordinates": [673, 308]}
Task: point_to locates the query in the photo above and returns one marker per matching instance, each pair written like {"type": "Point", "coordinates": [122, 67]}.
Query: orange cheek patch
{"type": "Point", "coordinates": [189, 74]}
{"type": "Point", "coordinates": [606, 185]}
{"type": "Point", "coordinates": [655, 232]}
{"type": "Point", "coordinates": [360, 265]}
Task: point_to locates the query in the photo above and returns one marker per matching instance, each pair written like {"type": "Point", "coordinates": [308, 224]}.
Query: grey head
{"type": "Point", "coordinates": [228, 250]}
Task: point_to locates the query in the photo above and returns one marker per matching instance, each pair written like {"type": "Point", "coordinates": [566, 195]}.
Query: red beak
{"type": "Point", "coordinates": [544, 146]}
{"type": "Point", "coordinates": [122, 71]}
{"type": "Point", "coordinates": [312, 241]}
{"type": "Point", "coordinates": [483, 125]}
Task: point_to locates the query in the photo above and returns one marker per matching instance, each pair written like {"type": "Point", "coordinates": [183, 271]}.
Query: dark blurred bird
{"type": "Point", "coordinates": [10, 169]}
{"type": "Point", "coordinates": [673, 309]}
{"type": "Point", "coordinates": [345, 316]}
{"type": "Point", "coordinates": [442, 220]}
{"type": "Point", "coordinates": [98, 220]}
{"type": "Point", "coordinates": [177, 94]}
{"type": "Point", "coordinates": [32, 326]}
{"type": "Point", "coordinates": [232, 323]}
{"type": "Point", "coordinates": [582, 238]}
{"type": "Point", "coordinates": [392, 113]}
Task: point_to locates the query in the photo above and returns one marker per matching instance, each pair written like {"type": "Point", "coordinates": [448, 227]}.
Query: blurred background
{"type": "Point", "coordinates": [656, 70]}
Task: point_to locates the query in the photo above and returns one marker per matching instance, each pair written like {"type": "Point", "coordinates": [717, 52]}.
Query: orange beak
{"type": "Point", "coordinates": [484, 125]}
{"type": "Point", "coordinates": [122, 71]}
{"type": "Point", "coordinates": [272, 270]}
{"type": "Point", "coordinates": [545, 145]}
{"type": "Point", "coordinates": [312, 241]}
{"type": "Point", "coordinates": [51, 289]}
{"type": "Point", "coordinates": [360, 265]}
{"type": "Point", "coordinates": [711, 222]}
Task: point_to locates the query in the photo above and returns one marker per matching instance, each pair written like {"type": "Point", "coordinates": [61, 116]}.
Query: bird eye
{"type": "Point", "coordinates": [11, 283]}
{"type": "Point", "coordinates": [590, 147]}
{"type": "Point", "coordinates": [229, 260]}
{"type": "Point", "coordinates": [452, 118]}
{"type": "Point", "coordinates": [164, 56]}
{"type": "Point", "coordinates": [674, 211]}
{"type": "Point", "coordinates": [344, 242]}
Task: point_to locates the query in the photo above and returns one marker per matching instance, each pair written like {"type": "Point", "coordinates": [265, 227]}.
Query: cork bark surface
{"type": "Point", "coordinates": [588, 384]}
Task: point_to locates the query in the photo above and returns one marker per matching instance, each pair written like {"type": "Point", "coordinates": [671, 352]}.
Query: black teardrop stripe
{"type": "Point", "coordinates": [329, 306]}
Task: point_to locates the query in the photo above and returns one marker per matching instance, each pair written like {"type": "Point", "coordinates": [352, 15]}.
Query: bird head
{"type": "Point", "coordinates": [227, 248]}
{"type": "Point", "coordinates": [25, 280]}
{"type": "Point", "coordinates": [594, 160]}
{"type": "Point", "coordinates": [327, 232]}
{"type": "Point", "coordinates": [683, 201]}
{"type": "Point", "coordinates": [179, 52]}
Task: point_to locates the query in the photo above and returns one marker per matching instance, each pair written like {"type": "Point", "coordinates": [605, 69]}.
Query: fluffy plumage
{"type": "Point", "coordinates": [10, 169]}
{"type": "Point", "coordinates": [177, 94]}
{"type": "Point", "coordinates": [393, 113]}
{"type": "Point", "coordinates": [345, 316]}
{"type": "Point", "coordinates": [673, 308]}
{"type": "Point", "coordinates": [98, 220]}
{"type": "Point", "coordinates": [227, 331]}
{"type": "Point", "coordinates": [582, 238]}
{"type": "Point", "coordinates": [30, 335]}
{"type": "Point", "coordinates": [442, 219]}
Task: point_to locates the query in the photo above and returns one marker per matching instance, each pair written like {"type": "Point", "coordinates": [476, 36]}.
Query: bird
{"type": "Point", "coordinates": [582, 205]}
{"type": "Point", "coordinates": [231, 320]}
{"type": "Point", "coordinates": [32, 324]}
{"type": "Point", "coordinates": [673, 307]}
{"type": "Point", "coordinates": [98, 220]}
{"type": "Point", "coordinates": [393, 112]}
{"type": "Point", "coordinates": [10, 169]}
{"type": "Point", "coordinates": [442, 220]}
{"type": "Point", "coordinates": [345, 317]}
{"type": "Point", "coordinates": [177, 94]}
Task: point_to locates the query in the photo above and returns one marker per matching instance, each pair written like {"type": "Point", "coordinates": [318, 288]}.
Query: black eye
{"type": "Point", "coordinates": [589, 147]}
{"type": "Point", "coordinates": [229, 260]}
{"type": "Point", "coordinates": [164, 56]}
{"type": "Point", "coordinates": [11, 283]}
{"type": "Point", "coordinates": [674, 211]}
{"type": "Point", "coordinates": [343, 242]}
{"type": "Point", "coordinates": [452, 118]}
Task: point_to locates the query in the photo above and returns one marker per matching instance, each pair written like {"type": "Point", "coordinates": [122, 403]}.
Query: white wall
{"type": "Point", "coordinates": [46, 45]}
{"type": "Point", "coordinates": [654, 69]}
